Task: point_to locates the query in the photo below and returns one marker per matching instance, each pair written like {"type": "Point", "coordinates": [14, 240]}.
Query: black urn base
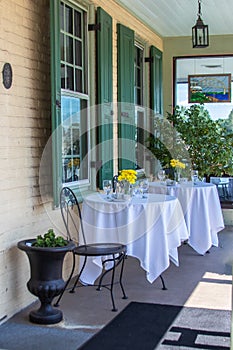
{"type": "Point", "coordinates": [46, 314]}
{"type": "Point", "coordinates": [46, 280]}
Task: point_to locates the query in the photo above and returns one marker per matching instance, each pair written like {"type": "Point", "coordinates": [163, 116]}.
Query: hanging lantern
{"type": "Point", "coordinates": [200, 32]}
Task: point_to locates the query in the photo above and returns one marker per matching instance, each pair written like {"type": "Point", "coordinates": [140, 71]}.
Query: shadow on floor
{"type": "Point", "coordinates": [199, 283]}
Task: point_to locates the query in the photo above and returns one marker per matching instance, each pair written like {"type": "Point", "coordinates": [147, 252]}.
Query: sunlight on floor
{"type": "Point", "coordinates": [213, 292]}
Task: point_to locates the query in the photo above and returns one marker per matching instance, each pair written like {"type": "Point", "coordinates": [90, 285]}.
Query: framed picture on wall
{"type": "Point", "coordinates": [209, 88]}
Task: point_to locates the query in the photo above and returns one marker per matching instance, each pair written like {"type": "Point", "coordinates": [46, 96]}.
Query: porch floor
{"type": "Point", "coordinates": [199, 282]}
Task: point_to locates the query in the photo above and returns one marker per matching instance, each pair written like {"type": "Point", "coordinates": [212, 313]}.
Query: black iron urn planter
{"type": "Point", "coordinates": [46, 280]}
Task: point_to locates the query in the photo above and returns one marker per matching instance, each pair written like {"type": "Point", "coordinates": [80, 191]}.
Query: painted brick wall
{"type": "Point", "coordinates": [24, 131]}
{"type": "Point", "coordinates": [25, 127]}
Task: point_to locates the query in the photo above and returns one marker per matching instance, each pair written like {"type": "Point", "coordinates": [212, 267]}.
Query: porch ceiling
{"type": "Point", "coordinates": [176, 17]}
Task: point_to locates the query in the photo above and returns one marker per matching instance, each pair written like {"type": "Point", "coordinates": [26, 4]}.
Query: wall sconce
{"type": "Point", "coordinates": [200, 32]}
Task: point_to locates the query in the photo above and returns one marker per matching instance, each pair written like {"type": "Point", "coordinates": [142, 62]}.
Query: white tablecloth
{"type": "Point", "coordinates": [152, 228]}
{"type": "Point", "coordinates": [202, 212]}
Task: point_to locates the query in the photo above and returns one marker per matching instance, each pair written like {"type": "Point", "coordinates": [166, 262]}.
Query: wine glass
{"type": "Point", "coordinates": [161, 175]}
{"type": "Point", "coordinates": [136, 189]}
{"type": "Point", "coordinates": [144, 186]}
{"type": "Point", "coordinates": [107, 187]}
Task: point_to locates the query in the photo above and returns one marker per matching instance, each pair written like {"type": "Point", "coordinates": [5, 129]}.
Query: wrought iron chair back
{"type": "Point", "coordinates": [114, 253]}
{"type": "Point", "coordinates": [71, 215]}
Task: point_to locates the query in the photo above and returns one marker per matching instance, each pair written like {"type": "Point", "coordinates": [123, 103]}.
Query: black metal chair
{"type": "Point", "coordinates": [114, 253]}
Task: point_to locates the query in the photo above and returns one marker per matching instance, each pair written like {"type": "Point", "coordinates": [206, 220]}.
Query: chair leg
{"type": "Point", "coordinates": [112, 281]}
{"type": "Point", "coordinates": [105, 273]}
{"type": "Point", "coordinates": [120, 257]}
{"type": "Point", "coordinates": [102, 277]}
{"type": "Point", "coordinates": [78, 277]}
{"type": "Point", "coordinates": [120, 281]}
{"type": "Point", "coordinates": [163, 283]}
{"type": "Point", "coordinates": [112, 284]}
{"type": "Point", "coordinates": [67, 283]}
{"type": "Point", "coordinates": [121, 275]}
{"type": "Point", "coordinates": [121, 260]}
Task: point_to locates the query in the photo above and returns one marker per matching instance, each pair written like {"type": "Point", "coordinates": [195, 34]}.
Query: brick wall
{"type": "Point", "coordinates": [24, 130]}
{"type": "Point", "coordinates": [25, 127]}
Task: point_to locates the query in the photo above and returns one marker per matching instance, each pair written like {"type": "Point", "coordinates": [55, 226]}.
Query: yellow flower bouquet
{"type": "Point", "coordinates": [175, 163]}
{"type": "Point", "coordinates": [129, 175]}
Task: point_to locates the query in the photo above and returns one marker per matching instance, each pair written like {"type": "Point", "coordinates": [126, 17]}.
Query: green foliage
{"type": "Point", "coordinates": [228, 123]}
{"type": "Point", "coordinates": [159, 150]}
{"type": "Point", "coordinates": [167, 144]}
{"type": "Point", "coordinates": [208, 142]}
{"type": "Point", "coordinates": [50, 240]}
{"type": "Point", "coordinates": [190, 135]}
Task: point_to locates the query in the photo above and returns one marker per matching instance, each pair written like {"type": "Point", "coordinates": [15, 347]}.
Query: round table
{"type": "Point", "coordinates": [152, 228]}
{"type": "Point", "coordinates": [202, 211]}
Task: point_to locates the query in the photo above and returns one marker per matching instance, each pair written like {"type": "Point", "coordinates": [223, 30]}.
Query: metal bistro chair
{"type": "Point", "coordinates": [110, 252]}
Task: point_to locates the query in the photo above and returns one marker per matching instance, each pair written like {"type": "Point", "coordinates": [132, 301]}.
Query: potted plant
{"type": "Point", "coordinates": [46, 255]}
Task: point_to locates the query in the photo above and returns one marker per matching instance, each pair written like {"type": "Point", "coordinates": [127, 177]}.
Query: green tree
{"type": "Point", "coordinates": [208, 142]}
{"type": "Point", "coordinates": [228, 123]}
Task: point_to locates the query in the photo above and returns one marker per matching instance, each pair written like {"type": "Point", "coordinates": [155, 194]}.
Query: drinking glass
{"type": "Point", "coordinates": [194, 176]}
{"type": "Point", "coordinates": [161, 175]}
{"type": "Point", "coordinates": [107, 187]}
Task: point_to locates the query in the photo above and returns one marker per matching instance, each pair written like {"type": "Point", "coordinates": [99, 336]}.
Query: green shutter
{"type": "Point", "coordinates": [156, 80]}
{"type": "Point", "coordinates": [126, 110]}
{"type": "Point", "coordinates": [104, 95]}
{"type": "Point", "coordinates": [55, 98]}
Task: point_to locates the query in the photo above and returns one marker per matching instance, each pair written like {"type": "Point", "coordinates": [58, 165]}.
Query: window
{"type": "Point", "coordinates": [208, 65]}
{"type": "Point", "coordinates": [74, 93]}
{"type": "Point", "coordinates": [73, 47]}
{"type": "Point", "coordinates": [139, 109]}
{"type": "Point", "coordinates": [138, 76]}
{"type": "Point", "coordinates": [74, 138]}
{"type": "Point", "coordinates": [215, 65]}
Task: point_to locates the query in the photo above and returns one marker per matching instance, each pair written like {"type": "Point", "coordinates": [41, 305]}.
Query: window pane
{"type": "Point", "coordinates": [77, 24]}
{"type": "Point", "coordinates": [70, 78]}
{"type": "Point", "coordinates": [62, 47]}
{"type": "Point", "coordinates": [138, 97]}
{"type": "Point", "coordinates": [62, 16]}
{"type": "Point", "coordinates": [138, 74]}
{"type": "Point", "coordinates": [69, 50]}
{"type": "Point", "coordinates": [78, 53]}
{"type": "Point", "coordinates": [78, 80]}
{"type": "Point", "coordinates": [138, 78]}
{"type": "Point", "coordinates": [137, 56]}
{"type": "Point", "coordinates": [74, 139]}
{"type": "Point", "coordinates": [68, 20]}
{"type": "Point", "coordinates": [139, 138]}
{"type": "Point", "coordinates": [83, 141]}
{"type": "Point", "coordinates": [76, 147]}
{"type": "Point", "coordinates": [63, 76]}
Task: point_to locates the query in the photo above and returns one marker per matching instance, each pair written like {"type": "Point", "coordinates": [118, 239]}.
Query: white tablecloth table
{"type": "Point", "coordinates": [202, 211]}
{"type": "Point", "coordinates": [152, 228]}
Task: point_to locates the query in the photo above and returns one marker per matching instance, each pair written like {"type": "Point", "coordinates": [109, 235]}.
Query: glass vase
{"type": "Point", "coordinates": [124, 190]}
{"type": "Point", "coordinates": [177, 175]}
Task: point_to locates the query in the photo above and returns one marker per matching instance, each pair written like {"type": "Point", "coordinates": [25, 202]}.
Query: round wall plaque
{"type": "Point", "coordinates": [7, 75]}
